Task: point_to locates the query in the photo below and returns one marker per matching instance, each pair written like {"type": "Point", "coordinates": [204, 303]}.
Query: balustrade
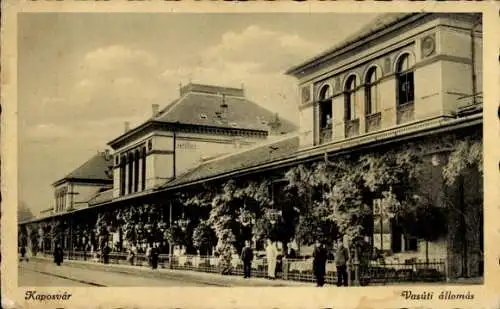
{"type": "Point", "coordinates": [325, 134]}
{"type": "Point", "coordinates": [351, 128]}
{"type": "Point", "coordinates": [373, 122]}
{"type": "Point", "coordinates": [405, 113]}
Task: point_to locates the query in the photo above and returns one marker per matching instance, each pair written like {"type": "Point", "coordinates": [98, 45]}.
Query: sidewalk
{"type": "Point", "coordinates": [214, 279]}
{"type": "Point", "coordinates": [185, 275]}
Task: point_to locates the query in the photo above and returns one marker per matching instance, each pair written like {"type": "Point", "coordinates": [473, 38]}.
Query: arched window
{"type": "Point", "coordinates": [325, 104]}
{"type": "Point", "coordinates": [371, 91]}
{"type": "Point", "coordinates": [405, 82]}
{"type": "Point", "coordinates": [350, 98]}
{"type": "Point", "coordinates": [325, 114]}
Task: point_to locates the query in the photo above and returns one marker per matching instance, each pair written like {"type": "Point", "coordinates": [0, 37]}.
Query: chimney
{"type": "Point", "coordinates": [127, 126]}
{"type": "Point", "coordinates": [155, 109]}
{"type": "Point", "coordinates": [274, 125]}
{"type": "Point", "coordinates": [107, 154]}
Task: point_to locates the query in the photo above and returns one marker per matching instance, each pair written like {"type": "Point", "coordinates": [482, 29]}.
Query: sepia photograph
{"type": "Point", "coordinates": [250, 150]}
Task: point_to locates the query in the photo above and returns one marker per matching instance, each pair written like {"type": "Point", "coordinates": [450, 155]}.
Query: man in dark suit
{"type": "Point", "coordinates": [58, 255]}
{"type": "Point", "coordinates": [341, 260]}
{"type": "Point", "coordinates": [320, 256]}
{"type": "Point", "coordinates": [247, 258]}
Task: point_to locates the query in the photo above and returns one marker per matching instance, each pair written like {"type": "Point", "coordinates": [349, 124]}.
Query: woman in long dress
{"type": "Point", "coordinates": [271, 254]}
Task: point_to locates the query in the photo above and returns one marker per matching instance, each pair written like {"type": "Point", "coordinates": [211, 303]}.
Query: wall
{"type": "Point", "coordinates": [116, 182]}
{"type": "Point", "coordinates": [428, 91]}
{"type": "Point", "coordinates": [306, 126]}
{"type": "Point", "coordinates": [82, 192]}
{"type": "Point", "coordinates": [191, 148]}
{"type": "Point", "coordinates": [456, 42]}
{"type": "Point", "coordinates": [437, 251]}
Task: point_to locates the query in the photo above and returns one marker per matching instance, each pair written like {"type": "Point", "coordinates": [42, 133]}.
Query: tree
{"type": "Point", "coordinates": [307, 188]}
{"type": "Point", "coordinates": [204, 237]}
{"type": "Point", "coordinates": [467, 153]}
{"type": "Point", "coordinates": [23, 212]}
{"type": "Point", "coordinates": [223, 221]}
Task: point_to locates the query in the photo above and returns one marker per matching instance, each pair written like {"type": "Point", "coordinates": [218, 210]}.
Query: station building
{"type": "Point", "coordinates": [406, 78]}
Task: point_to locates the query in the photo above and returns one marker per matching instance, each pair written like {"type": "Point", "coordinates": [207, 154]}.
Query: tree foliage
{"type": "Point", "coordinates": [467, 153]}
{"type": "Point", "coordinates": [204, 237]}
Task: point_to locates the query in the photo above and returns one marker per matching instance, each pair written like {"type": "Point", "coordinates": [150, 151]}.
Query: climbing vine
{"type": "Point", "coordinates": [467, 153]}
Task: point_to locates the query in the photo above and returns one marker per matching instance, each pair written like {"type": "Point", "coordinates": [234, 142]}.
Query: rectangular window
{"type": "Point", "coordinates": [381, 227]}
{"type": "Point", "coordinates": [122, 178]}
{"type": "Point", "coordinates": [130, 174]}
{"type": "Point", "coordinates": [136, 173]}
{"type": "Point", "coordinates": [143, 173]}
{"type": "Point", "coordinates": [402, 242]}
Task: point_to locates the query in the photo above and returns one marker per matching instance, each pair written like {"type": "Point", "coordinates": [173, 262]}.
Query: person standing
{"type": "Point", "coordinates": [105, 253]}
{"type": "Point", "coordinates": [247, 258]}
{"type": "Point", "coordinates": [58, 255]}
{"type": "Point", "coordinates": [320, 255]}
{"type": "Point", "coordinates": [272, 255]}
{"type": "Point", "coordinates": [148, 254]}
{"type": "Point", "coordinates": [85, 249]}
{"type": "Point", "coordinates": [23, 253]}
{"type": "Point", "coordinates": [154, 257]}
{"type": "Point", "coordinates": [341, 259]}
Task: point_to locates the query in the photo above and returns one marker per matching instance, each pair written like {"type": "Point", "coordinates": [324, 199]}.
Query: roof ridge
{"type": "Point", "coordinates": [169, 108]}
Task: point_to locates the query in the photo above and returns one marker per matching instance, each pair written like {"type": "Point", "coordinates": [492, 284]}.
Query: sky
{"type": "Point", "coordinates": [82, 75]}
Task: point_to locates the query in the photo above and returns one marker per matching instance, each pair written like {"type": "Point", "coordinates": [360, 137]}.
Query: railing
{"type": "Point", "coordinates": [373, 122]}
{"type": "Point", "coordinates": [325, 134]}
{"type": "Point", "coordinates": [351, 128]}
{"type": "Point", "coordinates": [287, 269]}
{"type": "Point", "coordinates": [470, 104]}
{"type": "Point", "coordinates": [405, 112]}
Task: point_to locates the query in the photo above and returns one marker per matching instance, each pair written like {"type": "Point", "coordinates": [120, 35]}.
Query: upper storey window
{"type": "Point", "coordinates": [350, 98]}
{"type": "Point", "coordinates": [405, 81]}
{"type": "Point", "coordinates": [405, 93]}
{"type": "Point", "coordinates": [371, 91]}
{"type": "Point", "coordinates": [325, 114]}
{"type": "Point", "coordinates": [325, 105]}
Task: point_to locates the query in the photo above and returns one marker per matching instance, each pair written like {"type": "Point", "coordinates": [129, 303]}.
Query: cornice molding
{"type": "Point", "coordinates": [154, 126]}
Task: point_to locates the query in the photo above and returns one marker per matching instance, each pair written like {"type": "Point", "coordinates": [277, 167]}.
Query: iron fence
{"type": "Point", "coordinates": [286, 269]}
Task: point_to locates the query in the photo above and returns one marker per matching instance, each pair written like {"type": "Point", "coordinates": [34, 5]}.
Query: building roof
{"type": "Point", "coordinates": [379, 23]}
{"type": "Point", "coordinates": [263, 153]}
{"type": "Point", "coordinates": [202, 105]}
{"type": "Point", "coordinates": [197, 108]}
{"type": "Point", "coordinates": [95, 170]}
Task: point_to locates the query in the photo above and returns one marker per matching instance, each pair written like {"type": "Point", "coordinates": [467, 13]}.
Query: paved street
{"type": "Point", "coordinates": [29, 277]}
{"type": "Point", "coordinates": [41, 272]}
